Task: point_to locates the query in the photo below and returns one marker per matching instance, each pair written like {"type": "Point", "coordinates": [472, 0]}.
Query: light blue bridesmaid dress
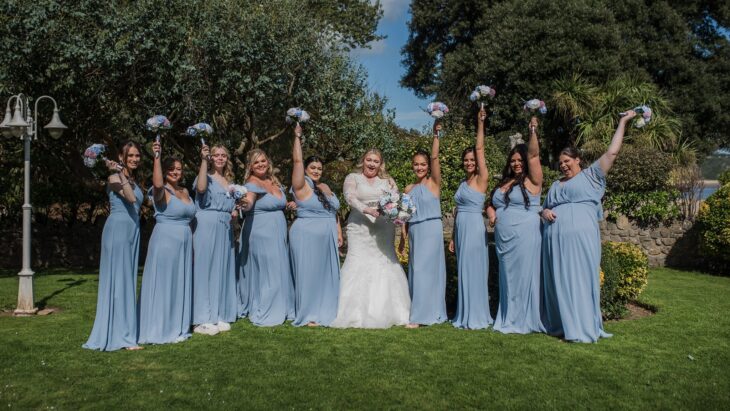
{"type": "Point", "coordinates": [571, 257]}
{"type": "Point", "coordinates": [115, 325]}
{"type": "Point", "coordinates": [165, 302]}
{"type": "Point", "coordinates": [264, 262]}
{"type": "Point", "coordinates": [472, 260]}
{"type": "Point", "coordinates": [426, 259]}
{"type": "Point", "coordinates": [518, 240]}
{"type": "Point", "coordinates": [315, 261]}
{"type": "Point", "coordinates": [214, 264]}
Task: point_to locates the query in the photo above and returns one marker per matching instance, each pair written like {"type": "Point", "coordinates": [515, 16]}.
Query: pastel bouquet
{"type": "Point", "coordinates": [200, 130]}
{"type": "Point", "coordinates": [236, 191]}
{"type": "Point", "coordinates": [535, 106]}
{"type": "Point", "coordinates": [644, 116]}
{"type": "Point", "coordinates": [397, 208]}
{"type": "Point", "coordinates": [94, 153]}
{"type": "Point", "coordinates": [437, 109]}
{"type": "Point", "coordinates": [482, 93]}
{"type": "Point", "coordinates": [296, 115]}
{"type": "Point", "coordinates": [157, 124]}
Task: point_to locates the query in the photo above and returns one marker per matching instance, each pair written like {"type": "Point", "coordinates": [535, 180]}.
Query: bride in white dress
{"type": "Point", "coordinates": [373, 286]}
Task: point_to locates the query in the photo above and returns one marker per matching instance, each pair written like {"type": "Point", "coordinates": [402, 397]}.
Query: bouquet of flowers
{"type": "Point", "coordinates": [200, 129]}
{"type": "Point", "coordinates": [94, 153]}
{"type": "Point", "coordinates": [535, 106]}
{"type": "Point", "coordinates": [296, 115]}
{"type": "Point", "coordinates": [397, 208]}
{"type": "Point", "coordinates": [236, 191]}
{"type": "Point", "coordinates": [644, 118]}
{"type": "Point", "coordinates": [481, 94]}
{"type": "Point", "coordinates": [437, 109]}
{"type": "Point", "coordinates": [157, 124]}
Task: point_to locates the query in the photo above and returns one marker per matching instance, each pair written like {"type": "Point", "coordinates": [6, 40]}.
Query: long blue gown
{"type": "Point", "coordinates": [315, 261]}
{"type": "Point", "coordinates": [518, 240]}
{"type": "Point", "coordinates": [264, 262]}
{"type": "Point", "coordinates": [115, 326]}
{"type": "Point", "coordinates": [571, 257]}
{"type": "Point", "coordinates": [165, 302]}
{"type": "Point", "coordinates": [214, 264]}
{"type": "Point", "coordinates": [472, 260]}
{"type": "Point", "coordinates": [426, 259]}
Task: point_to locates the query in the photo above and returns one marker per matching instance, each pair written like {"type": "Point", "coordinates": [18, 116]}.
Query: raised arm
{"type": "Point", "coordinates": [298, 182]}
{"type": "Point", "coordinates": [158, 180]}
{"type": "Point", "coordinates": [119, 183]}
{"type": "Point", "coordinates": [533, 155]}
{"type": "Point", "coordinates": [607, 159]}
{"type": "Point", "coordinates": [483, 177]}
{"type": "Point", "coordinates": [435, 163]}
{"type": "Point", "coordinates": [202, 185]}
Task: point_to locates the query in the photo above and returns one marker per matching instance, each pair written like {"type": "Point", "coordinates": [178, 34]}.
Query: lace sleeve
{"type": "Point", "coordinates": [350, 191]}
{"type": "Point", "coordinates": [392, 186]}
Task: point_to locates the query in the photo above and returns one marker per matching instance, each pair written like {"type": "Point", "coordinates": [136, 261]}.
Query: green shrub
{"type": "Point", "coordinates": [639, 169]}
{"type": "Point", "coordinates": [625, 270]}
{"type": "Point", "coordinates": [646, 209]}
{"type": "Point", "coordinates": [714, 227]}
{"type": "Point", "coordinates": [724, 177]}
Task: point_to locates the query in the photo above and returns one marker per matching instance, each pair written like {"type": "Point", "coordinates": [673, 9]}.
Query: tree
{"type": "Point", "coordinates": [233, 63]}
{"type": "Point", "coordinates": [520, 47]}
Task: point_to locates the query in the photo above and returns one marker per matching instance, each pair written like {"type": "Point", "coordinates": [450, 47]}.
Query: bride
{"type": "Point", "coordinates": [373, 286]}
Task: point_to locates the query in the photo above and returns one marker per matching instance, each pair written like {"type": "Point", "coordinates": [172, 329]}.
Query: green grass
{"type": "Point", "coordinates": [646, 365]}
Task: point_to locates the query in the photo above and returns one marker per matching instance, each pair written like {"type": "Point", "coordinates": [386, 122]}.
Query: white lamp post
{"type": "Point", "coordinates": [24, 124]}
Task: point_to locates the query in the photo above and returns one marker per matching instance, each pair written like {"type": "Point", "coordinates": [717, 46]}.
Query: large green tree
{"type": "Point", "coordinates": [521, 47]}
{"type": "Point", "coordinates": [236, 64]}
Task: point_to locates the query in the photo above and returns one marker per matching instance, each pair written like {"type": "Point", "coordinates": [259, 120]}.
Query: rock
{"type": "Point", "coordinates": [46, 311]}
{"type": "Point", "coordinates": [622, 222]}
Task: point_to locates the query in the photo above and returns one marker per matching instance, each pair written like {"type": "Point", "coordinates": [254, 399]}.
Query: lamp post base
{"type": "Point", "coordinates": [25, 313]}
{"type": "Point", "coordinates": [26, 306]}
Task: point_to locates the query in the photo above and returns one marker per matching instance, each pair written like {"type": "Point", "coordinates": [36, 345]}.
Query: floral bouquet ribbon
{"type": "Point", "coordinates": [296, 115]}
{"type": "Point", "coordinates": [94, 153]}
{"type": "Point", "coordinates": [645, 116]}
{"type": "Point", "coordinates": [482, 93]}
{"type": "Point", "coordinates": [157, 124]}
{"type": "Point", "coordinates": [397, 208]}
{"type": "Point", "coordinates": [535, 106]}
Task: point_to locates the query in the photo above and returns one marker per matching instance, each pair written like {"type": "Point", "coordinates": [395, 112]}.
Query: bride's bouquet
{"type": "Point", "coordinates": [397, 208]}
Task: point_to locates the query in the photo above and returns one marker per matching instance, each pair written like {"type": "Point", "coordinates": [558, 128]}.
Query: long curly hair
{"type": "Point", "coordinates": [123, 153]}
{"type": "Point", "coordinates": [252, 156]}
{"type": "Point", "coordinates": [320, 195]}
{"type": "Point", "coordinates": [382, 172]}
{"type": "Point", "coordinates": [519, 179]}
{"type": "Point", "coordinates": [228, 169]}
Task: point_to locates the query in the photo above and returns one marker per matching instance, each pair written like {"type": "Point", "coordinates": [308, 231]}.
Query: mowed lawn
{"type": "Point", "coordinates": [677, 358]}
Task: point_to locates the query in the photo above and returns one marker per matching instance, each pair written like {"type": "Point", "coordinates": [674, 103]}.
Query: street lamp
{"type": "Point", "coordinates": [24, 124]}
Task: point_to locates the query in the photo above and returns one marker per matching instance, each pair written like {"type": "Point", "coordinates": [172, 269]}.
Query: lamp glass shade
{"type": "Point", "coordinates": [55, 127]}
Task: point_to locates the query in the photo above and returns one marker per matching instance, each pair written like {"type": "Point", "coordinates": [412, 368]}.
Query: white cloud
{"type": "Point", "coordinates": [376, 47]}
{"type": "Point", "coordinates": [393, 9]}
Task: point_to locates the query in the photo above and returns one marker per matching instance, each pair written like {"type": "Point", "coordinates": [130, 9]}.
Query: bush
{"type": "Point", "coordinates": [625, 271]}
{"type": "Point", "coordinates": [714, 227]}
{"type": "Point", "coordinates": [724, 177]}
{"type": "Point", "coordinates": [646, 209]}
{"type": "Point", "coordinates": [639, 169]}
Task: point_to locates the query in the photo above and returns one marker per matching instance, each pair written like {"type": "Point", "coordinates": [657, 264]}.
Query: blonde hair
{"type": "Point", "coordinates": [382, 173]}
{"type": "Point", "coordinates": [228, 168]}
{"type": "Point", "coordinates": [251, 156]}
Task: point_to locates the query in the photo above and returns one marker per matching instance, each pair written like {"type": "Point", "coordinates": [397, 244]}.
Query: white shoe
{"type": "Point", "coordinates": [207, 329]}
{"type": "Point", "coordinates": [223, 326]}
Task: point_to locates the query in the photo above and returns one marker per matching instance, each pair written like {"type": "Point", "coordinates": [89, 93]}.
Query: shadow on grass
{"type": "Point", "coordinates": [70, 283]}
{"type": "Point", "coordinates": [12, 272]}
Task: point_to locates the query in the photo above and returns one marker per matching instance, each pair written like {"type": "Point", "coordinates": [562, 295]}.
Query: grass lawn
{"type": "Point", "coordinates": [678, 358]}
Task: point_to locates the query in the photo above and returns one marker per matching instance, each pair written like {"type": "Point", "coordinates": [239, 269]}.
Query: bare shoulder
{"type": "Point", "coordinates": [408, 188]}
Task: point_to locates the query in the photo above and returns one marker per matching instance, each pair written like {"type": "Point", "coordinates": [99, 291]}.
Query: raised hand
{"type": "Point", "coordinates": [437, 127]}
{"type": "Point", "coordinates": [113, 166]}
{"type": "Point", "coordinates": [482, 115]}
{"type": "Point", "coordinates": [627, 115]}
{"type": "Point", "coordinates": [205, 152]}
{"type": "Point", "coordinates": [534, 122]}
{"type": "Point", "coordinates": [298, 130]}
{"type": "Point", "coordinates": [156, 148]}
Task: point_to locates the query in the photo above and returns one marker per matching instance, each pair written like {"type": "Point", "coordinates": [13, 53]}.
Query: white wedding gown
{"type": "Point", "coordinates": [373, 286]}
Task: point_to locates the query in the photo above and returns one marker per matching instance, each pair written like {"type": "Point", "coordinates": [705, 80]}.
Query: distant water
{"type": "Point", "coordinates": [707, 191]}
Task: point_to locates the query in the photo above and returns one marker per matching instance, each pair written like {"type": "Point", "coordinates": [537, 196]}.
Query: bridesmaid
{"type": "Point", "coordinates": [165, 312]}
{"type": "Point", "coordinates": [425, 234]}
{"type": "Point", "coordinates": [264, 256]}
{"type": "Point", "coordinates": [215, 302]}
{"type": "Point", "coordinates": [571, 244]}
{"type": "Point", "coordinates": [470, 237]}
{"type": "Point", "coordinates": [314, 239]}
{"type": "Point", "coordinates": [515, 207]}
{"type": "Point", "coordinates": [115, 326]}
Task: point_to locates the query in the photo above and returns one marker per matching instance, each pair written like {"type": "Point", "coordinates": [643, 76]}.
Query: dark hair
{"type": "Point", "coordinates": [124, 152]}
{"type": "Point", "coordinates": [422, 152]}
{"type": "Point", "coordinates": [573, 153]}
{"type": "Point", "coordinates": [169, 163]}
{"type": "Point", "coordinates": [470, 149]}
{"type": "Point", "coordinates": [509, 174]}
{"type": "Point", "coordinates": [320, 195]}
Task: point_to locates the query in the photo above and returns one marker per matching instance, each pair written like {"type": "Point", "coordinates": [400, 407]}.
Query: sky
{"type": "Point", "coordinates": [383, 64]}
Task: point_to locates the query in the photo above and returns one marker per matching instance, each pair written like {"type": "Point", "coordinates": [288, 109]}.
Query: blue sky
{"type": "Point", "coordinates": [383, 64]}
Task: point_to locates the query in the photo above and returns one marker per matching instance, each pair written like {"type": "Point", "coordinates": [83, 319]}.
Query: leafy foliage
{"type": "Point", "coordinates": [625, 271]}
{"type": "Point", "coordinates": [714, 226]}
{"type": "Point", "coordinates": [724, 177]}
